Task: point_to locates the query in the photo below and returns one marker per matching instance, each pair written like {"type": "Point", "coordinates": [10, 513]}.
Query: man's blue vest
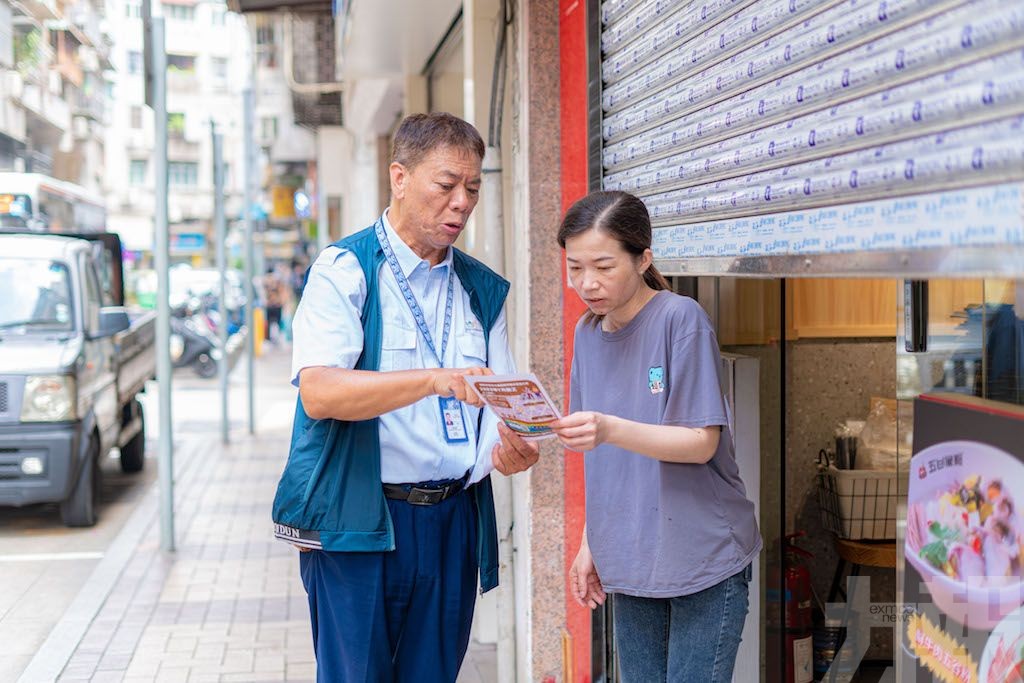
{"type": "Point", "coordinates": [330, 495]}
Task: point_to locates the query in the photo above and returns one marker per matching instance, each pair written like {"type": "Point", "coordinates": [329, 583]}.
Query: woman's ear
{"type": "Point", "coordinates": [646, 259]}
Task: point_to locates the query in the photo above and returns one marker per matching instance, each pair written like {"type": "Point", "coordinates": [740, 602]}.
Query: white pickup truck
{"type": "Point", "coordinates": [72, 362]}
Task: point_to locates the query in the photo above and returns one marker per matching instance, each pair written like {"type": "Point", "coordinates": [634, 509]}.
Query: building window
{"type": "Point", "coordinates": [134, 62]}
{"type": "Point", "coordinates": [219, 67]}
{"type": "Point", "coordinates": [133, 10]}
{"type": "Point", "coordinates": [181, 63]}
{"type": "Point", "coordinates": [266, 49]}
{"type": "Point", "coordinates": [268, 128]}
{"type": "Point", "coordinates": [265, 34]}
{"type": "Point", "coordinates": [180, 12]}
{"type": "Point", "coordinates": [136, 116]}
{"type": "Point", "coordinates": [137, 172]}
{"type": "Point", "coordinates": [183, 173]}
{"type": "Point", "coordinates": [175, 124]}
{"type": "Point", "coordinates": [219, 16]}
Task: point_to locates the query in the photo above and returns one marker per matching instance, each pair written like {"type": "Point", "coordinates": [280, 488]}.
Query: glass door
{"type": "Point", "coordinates": [960, 341]}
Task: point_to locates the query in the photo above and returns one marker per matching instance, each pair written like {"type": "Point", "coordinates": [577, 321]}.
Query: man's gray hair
{"type": "Point", "coordinates": [419, 134]}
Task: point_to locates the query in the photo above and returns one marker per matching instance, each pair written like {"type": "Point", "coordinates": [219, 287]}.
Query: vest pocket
{"type": "Point", "coordinates": [314, 476]}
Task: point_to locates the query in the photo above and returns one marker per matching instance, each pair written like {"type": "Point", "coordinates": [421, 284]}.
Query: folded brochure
{"type": "Point", "coordinates": [520, 401]}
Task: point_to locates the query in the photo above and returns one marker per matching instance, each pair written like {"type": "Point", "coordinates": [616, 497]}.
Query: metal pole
{"type": "Point", "coordinates": [323, 223]}
{"type": "Point", "coordinates": [250, 290]}
{"type": "Point", "coordinates": [161, 257]}
{"type": "Point", "coordinates": [222, 300]}
{"type": "Point", "coordinates": [323, 218]}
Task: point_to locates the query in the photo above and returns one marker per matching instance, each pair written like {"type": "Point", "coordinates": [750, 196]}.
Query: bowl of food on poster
{"type": "Point", "coordinates": [965, 535]}
{"type": "Point", "coordinates": [1003, 658]}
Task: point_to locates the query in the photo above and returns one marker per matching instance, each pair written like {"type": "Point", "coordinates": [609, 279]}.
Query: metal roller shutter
{"type": "Point", "coordinates": [782, 127]}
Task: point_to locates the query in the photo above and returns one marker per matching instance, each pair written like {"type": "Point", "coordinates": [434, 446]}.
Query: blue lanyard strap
{"type": "Point", "coordinates": [410, 298]}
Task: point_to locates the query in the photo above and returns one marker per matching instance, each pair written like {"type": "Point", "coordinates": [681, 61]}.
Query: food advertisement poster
{"type": "Point", "coordinates": [520, 401]}
{"type": "Point", "coordinates": [964, 545]}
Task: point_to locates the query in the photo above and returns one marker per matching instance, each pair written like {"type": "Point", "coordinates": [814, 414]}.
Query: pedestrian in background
{"type": "Point", "coordinates": [274, 294]}
{"type": "Point", "coordinates": [669, 530]}
{"type": "Point", "coordinates": [387, 485]}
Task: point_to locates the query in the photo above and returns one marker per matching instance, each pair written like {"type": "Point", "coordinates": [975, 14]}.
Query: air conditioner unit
{"type": "Point", "coordinates": [15, 85]}
{"type": "Point", "coordinates": [81, 127]}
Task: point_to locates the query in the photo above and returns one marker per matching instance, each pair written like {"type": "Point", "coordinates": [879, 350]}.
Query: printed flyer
{"type": "Point", "coordinates": [963, 589]}
{"type": "Point", "coordinates": [520, 401]}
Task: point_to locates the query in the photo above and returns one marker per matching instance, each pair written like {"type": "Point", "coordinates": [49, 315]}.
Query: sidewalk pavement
{"type": "Point", "coordinates": [228, 605]}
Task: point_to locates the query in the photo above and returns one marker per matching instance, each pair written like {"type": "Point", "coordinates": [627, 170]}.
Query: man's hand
{"type": "Point", "coordinates": [451, 382]}
{"type": "Point", "coordinates": [582, 431]}
{"type": "Point", "coordinates": [513, 454]}
{"type": "Point", "coordinates": [584, 583]}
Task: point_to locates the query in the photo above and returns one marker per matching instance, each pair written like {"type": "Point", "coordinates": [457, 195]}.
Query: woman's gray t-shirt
{"type": "Point", "coordinates": [660, 529]}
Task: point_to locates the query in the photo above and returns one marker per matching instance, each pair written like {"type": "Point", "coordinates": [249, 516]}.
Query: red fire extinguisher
{"type": "Point", "coordinates": [794, 598]}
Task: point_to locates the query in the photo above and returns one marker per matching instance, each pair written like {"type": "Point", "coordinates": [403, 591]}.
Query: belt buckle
{"type": "Point", "coordinates": [418, 496]}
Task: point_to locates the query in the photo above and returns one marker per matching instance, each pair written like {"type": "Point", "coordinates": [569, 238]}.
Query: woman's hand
{"type": "Point", "coordinates": [513, 454]}
{"type": "Point", "coordinates": [582, 431]}
{"type": "Point", "coordinates": [584, 583]}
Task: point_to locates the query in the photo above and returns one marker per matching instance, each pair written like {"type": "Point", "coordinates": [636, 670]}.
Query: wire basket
{"type": "Point", "coordinates": [859, 504]}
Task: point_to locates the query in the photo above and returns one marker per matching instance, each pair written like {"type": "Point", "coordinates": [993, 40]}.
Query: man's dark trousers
{"type": "Point", "coordinates": [404, 615]}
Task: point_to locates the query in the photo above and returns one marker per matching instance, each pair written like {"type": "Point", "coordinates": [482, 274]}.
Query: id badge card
{"type": "Point", "coordinates": [453, 421]}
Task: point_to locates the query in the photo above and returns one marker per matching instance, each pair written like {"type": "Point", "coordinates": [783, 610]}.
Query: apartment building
{"type": "Point", "coordinates": [53, 91]}
{"type": "Point", "coordinates": [208, 64]}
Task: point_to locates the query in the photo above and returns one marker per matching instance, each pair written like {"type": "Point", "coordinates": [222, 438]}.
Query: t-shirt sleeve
{"type": "Point", "coordinates": [693, 392]}
{"type": "Point", "coordinates": [326, 330]}
{"type": "Point", "coordinates": [574, 387]}
{"type": "Point", "coordinates": [575, 391]}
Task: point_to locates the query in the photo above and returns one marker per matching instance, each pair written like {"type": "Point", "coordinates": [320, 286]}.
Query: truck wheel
{"type": "Point", "coordinates": [81, 506]}
{"type": "Point", "coordinates": [133, 453]}
{"type": "Point", "coordinates": [205, 366]}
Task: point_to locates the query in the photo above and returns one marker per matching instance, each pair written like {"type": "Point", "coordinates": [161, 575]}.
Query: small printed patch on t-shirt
{"type": "Point", "coordinates": [656, 379]}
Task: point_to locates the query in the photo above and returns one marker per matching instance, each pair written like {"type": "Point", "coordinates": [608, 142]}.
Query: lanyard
{"type": "Point", "coordinates": [410, 298]}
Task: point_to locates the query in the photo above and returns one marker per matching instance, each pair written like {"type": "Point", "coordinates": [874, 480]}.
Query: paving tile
{"type": "Point", "coordinates": [265, 664]}
{"type": "Point", "coordinates": [300, 672]}
{"type": "Point", "coordinates": [182, 644]}
{"type": "Point", "coordinates": [172, 674]}
{"type": "Point", "coordinates": [116, 662]}
{"type": "Point", "coordinates": [207, 651]}
{"type": "Point", "coordinates": [77, 673]}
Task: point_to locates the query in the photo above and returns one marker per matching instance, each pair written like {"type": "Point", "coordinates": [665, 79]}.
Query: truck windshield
{"type": "Point", "coordinates": [37, 296]}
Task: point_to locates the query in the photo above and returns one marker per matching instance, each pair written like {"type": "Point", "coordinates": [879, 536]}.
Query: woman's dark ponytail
{"type": "Point", "coordinates": [654, 279]}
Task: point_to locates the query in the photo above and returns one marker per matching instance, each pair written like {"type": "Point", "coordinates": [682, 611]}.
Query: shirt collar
{"type": "Point", "coordinates": [408, 261]}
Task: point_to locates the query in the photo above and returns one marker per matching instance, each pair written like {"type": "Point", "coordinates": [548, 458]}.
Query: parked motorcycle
{"type": "Point", "coordinates": [194, 344]}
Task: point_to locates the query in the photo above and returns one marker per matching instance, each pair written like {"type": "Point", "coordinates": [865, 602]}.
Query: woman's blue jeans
{"type": "Point", "coordinates": [689, 639]}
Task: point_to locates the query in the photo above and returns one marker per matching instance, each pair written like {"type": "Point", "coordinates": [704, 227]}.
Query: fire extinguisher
{"type": "Point", "coordinates": [794, 598]}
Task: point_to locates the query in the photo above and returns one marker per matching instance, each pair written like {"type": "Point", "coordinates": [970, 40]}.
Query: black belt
{"type": "Point", "coordinates": [418, 495]}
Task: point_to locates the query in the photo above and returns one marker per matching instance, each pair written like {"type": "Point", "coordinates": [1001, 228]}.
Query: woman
{"type": "Point", "coordinates": [669, 529]}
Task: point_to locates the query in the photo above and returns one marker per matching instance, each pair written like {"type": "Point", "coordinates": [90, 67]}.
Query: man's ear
{"type": "Point", "coordinates": [399, 179]}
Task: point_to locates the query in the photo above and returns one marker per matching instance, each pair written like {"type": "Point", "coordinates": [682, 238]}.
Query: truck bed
{"type": "Point", "coordinates": [136, 355]}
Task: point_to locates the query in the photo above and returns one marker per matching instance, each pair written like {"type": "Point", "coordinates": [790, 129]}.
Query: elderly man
{"type": "Point", "coordinates": [386, 486]}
